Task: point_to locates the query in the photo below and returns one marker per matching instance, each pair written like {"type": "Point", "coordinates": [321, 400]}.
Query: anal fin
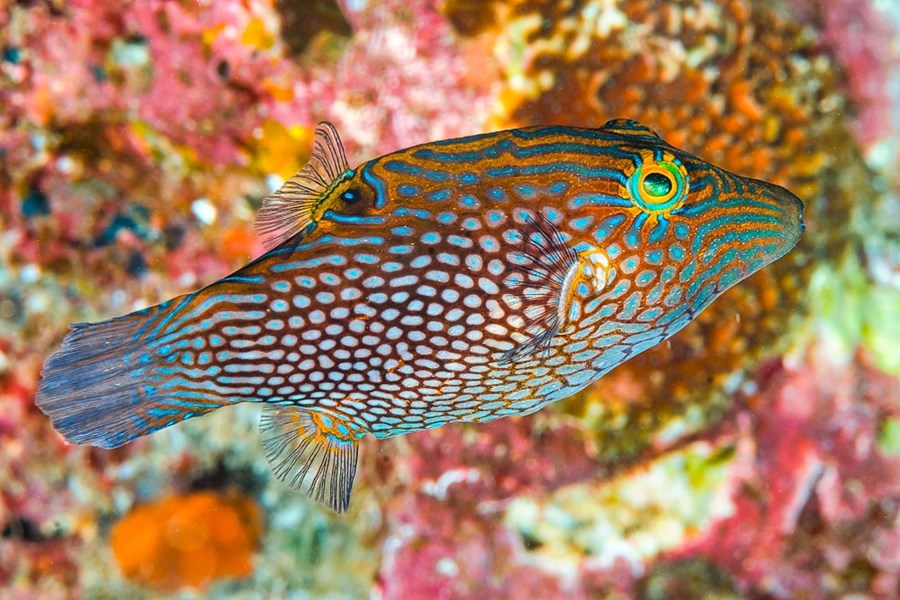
{"type": "Point", "coordinates": [312, 452]}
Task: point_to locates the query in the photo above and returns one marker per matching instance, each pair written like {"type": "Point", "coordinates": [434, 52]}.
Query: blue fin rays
{"type": "Point", "coordinates": [539, 267]}
{"type": "Point", "coordinates": [289, 211]}
{"type": "Point", "coordinates": [312, 452]}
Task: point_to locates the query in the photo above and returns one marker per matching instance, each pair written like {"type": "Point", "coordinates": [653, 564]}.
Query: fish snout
{"type": "Point", "coordinates": [793, 206]}
{"type": "Point", "coordinates": [789, 211]}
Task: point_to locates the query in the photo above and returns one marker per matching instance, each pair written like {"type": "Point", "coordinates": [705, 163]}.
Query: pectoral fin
{"type": "Point", "coordinates": [539, 269]}
{"type": "Point", "coordinates": [549, 283]}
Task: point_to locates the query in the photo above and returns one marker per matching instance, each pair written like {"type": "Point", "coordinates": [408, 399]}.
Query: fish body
{"type": "Point", "coordinates": [459, 280]}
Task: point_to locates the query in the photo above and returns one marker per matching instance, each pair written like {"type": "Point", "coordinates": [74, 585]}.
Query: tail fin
{"type": "Point", "coordinates": [107, 384]}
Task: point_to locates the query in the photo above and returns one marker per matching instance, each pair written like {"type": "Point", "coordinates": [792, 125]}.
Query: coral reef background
{"type": "Point", "coordinates": [756, 454]}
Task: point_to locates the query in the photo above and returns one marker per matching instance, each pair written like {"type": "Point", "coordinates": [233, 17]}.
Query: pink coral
{"type": "Point", "coordinates": [862, 39]}
{"type": "Point", "coordinates": [814, 494]}
{"type": "Point", "coordinates": [421, 91]}
{"type": "Point", "coordinates": [446, 537]}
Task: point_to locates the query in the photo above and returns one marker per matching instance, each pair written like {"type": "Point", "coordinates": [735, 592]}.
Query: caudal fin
{"type": "Point", "coordinates": [111, 382]}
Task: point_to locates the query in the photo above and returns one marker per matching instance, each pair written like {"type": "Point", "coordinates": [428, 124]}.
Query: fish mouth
{"type": "Point", "coordinates": [775, 218]}
{"type": "Point", "coordinates": [790, 215]}
{"type": "Point", "coordinates": [796, 211]}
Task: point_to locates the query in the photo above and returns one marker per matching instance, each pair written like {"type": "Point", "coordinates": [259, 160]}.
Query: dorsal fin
{"type": "Point", "coordinates": [312, 452]}
{"type": "Point", "coordinates": [289, 210]}
{"type": "Point", "coordinates": [628, 127]}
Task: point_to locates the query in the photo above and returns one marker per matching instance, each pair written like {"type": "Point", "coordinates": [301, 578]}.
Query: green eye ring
{"type": "Point", "coordinates": [658, 186]}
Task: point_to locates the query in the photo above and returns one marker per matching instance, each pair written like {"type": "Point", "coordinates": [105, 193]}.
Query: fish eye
{"type": "Point", "coordinates": [658, 185]}
{"type": "Point", "coordinates": [351, 196]}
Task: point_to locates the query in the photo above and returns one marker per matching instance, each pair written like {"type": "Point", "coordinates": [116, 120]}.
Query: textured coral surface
{"type": "Point", "coordinates": [756, 454]}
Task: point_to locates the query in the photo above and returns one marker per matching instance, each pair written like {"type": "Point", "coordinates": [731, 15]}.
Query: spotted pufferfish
{"type": "Point", "coordinates": [460, 280]}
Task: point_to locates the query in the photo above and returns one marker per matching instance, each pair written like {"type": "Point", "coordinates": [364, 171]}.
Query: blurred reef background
{"type": "Point", "coordinates": [754, 455]}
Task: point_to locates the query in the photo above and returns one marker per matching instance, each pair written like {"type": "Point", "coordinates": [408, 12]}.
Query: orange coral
{"type": "Point", "coordinates": [188, 541]}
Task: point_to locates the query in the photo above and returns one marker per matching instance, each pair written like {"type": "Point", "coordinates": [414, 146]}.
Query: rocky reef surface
{"type": "Point", "coordinates": [755, 454]}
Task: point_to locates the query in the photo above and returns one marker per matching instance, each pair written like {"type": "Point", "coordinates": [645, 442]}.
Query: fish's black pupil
{"type": "Point", "coordinates": [350, 196]}
{"type": "Point", "coordinates": [657, 184]}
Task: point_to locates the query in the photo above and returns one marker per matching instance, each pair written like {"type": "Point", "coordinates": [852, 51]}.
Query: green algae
{"type": "Point", "coordinates": [889, 437]}
{"type": "Point", "coordinates": [851, 311]}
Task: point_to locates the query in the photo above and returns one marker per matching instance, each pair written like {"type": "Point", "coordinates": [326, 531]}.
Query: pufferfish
{"type": "Point", "coordinates": [460, 280]}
